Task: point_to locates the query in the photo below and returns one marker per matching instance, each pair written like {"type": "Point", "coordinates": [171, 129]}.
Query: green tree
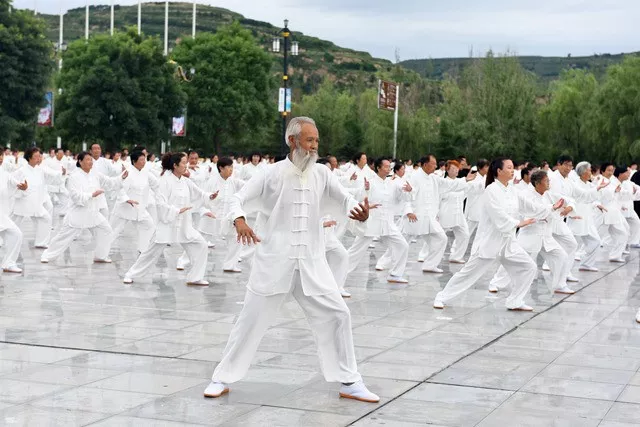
{"type": "Point", "coordinates": [117, 90]}
{"type": "Point", "coordinates": [564, 122]}
{"type": "Point", "coordinates": [230, 95]}
{"type": "Point", "coordinates": [615, 121]}
{"type": "Point", "coordinates": [27, 64]}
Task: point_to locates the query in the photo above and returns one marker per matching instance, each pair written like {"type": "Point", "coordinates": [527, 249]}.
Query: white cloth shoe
{"type": "Point", "coordinates": [420, 259]}
{"type": "Point", "coordinates": [44, 260]}
{"type": "Point", "coordinates": [358, 391]}
{"type": "Point", "coordinates": [638, 316]}
{"type": "Point", "coordinates": [571, 278]}
{"type": "Point", "coordinates": [127, 280]}
{"type": "Point", "coordinates": [233, 270]}
{"type": "Point", "coordinates": [102, 261]}
{"type": "Point", "coordinates": [12, 269]}
{"type": "Point", "coordinates": [493, 289]}
{"type": "Point", "coordinates": [588, 268]}
{"type": "Point", "coordinates": [211, 245]}
{"type": "Point", "coordinates": [216, 389]}
{"type": "Point", "coordinates": [565, 290]}
{"type": "Point", "coordinates": [198, 283]}
{"type": "Point", "coordinates": [438, 304]}
{"type": "Point", "coordinates": [396, 279]}
{"type": "Point", "coordinates": [457, 261]}
{"type": "Point", "coordinates": [620, 260]}
{"type": "Point", "coordinates": [344, 293]}
{"type": "Point", "coordinates": [545, 267]}
{"type": "Point", "coordinates": [432, 270]}
{"type": "Point", "coordinates": [625, 252]}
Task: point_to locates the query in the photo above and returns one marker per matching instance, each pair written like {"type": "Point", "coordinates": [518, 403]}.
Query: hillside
{"type": "Point", "coordinates": [318, 58]}
{"type": "Point", "coordinates": [546, 68]}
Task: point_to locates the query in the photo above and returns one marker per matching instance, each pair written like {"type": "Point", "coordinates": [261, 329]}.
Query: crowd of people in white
{"type": "Point", "coordinates": [299, 210]}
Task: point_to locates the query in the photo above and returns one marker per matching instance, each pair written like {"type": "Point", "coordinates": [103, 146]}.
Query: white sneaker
{"type": "Point", "coordinates": [211, 245]}
{"type": "Point", "coordinates": [638, 316]}
{"type": "Point", "coordinates": [620, 260]}
{"type": "Point", "coordinates": [13, 269]}
{"type": "Point", "coordinates": [571, 278]}
{"type": "Point", "coordinates": [344, 293]}
{"type": "Point", "coordinates": [44, 260]}
{"type": "Point", "coordinates": [456, 261]}
{"type": "Point", "coordinates": [438, 304]}
{"type": "Point", "coordinates": [587, 268]}
{"type": "Point", "coordinates": [179, 267]}
{"type": "Point", "coordinates": [577, 258]}
{"type": "Point", "coordinates": [493, 289]}
{"type": "Point", "coordinates": [358, 391]}
{"type": "Point", "coordinates": [565, 290]}
{"type": "Point", "coordinates": [127, 280]}
{"type": "Point", "coordinates": [372, 246]}
{"type": "Point", "coordinates": [523, 307]}
{"type": "Point", "coordinates": [432, 270]}
{"type": "Point", "coordinates": [420, 259]}
{"type": "Point", "coordinates": [216, 389]}
{"type": "Point", "coordinates": [625, 252]}
{"type": "Point", "coordinates": [396, 279]}
{"type": "Point", "coordinates": [198, 283]}
{"type": "Point", "coordinates": [102, 261]}
{"type": "Point", "coordinates": [545, 267]}
{"type": "Point", "coordinates": [414, 241]}
{"type": "Point", "coordinates": [233, 270]}
{"type": "Point", "coordinates": [379, 268]}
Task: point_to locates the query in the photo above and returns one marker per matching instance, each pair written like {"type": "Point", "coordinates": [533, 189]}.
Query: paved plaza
{"type": "Point", "coordinates": [80, 348]}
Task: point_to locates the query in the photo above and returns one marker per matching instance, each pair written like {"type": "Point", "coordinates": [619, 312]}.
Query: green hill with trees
{"type": "Point", "coordinates": [318, 59]}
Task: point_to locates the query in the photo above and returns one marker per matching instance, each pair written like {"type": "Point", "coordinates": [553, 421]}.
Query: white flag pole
{"type": "Point", "coordinates": [395, 121]}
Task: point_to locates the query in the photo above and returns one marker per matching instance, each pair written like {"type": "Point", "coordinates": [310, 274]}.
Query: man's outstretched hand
{"type": "Point", "coordinates": [360, 212]}
{"type": "Point", "coordinates": [246, 236]}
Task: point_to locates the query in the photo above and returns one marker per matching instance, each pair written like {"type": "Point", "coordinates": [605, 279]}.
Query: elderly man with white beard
{"type": "Point", "coordinates": [291, 261]}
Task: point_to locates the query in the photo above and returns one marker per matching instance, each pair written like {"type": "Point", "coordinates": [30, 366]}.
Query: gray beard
{"type": "Point", "coordinates": [302, 159]}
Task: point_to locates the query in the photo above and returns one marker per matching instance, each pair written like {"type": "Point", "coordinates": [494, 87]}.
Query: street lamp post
{"type": "Point", "coordinates": [284, 92]}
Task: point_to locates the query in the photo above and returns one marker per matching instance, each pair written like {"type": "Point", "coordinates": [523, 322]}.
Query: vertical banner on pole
{"type": "Point", "coordinates": [45, 115]}
{"type": "Point", "coordinates": [59, 142]}
{"type": "Point", "coordinates": [287, 100]}
{"type": "Point", "coordinates": [179, 125]}
{"type": "Point", "coordinates": [388, 99]}
{"type": "Point", "coordinates": [84, 146]}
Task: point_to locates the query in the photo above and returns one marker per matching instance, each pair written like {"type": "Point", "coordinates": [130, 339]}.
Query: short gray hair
{"type": "Point", "coordinates": [295, 127]}
{"type": "Point", "coordinates": [582, 167]}
{"type": "Point", "coordinates": [537, 176]}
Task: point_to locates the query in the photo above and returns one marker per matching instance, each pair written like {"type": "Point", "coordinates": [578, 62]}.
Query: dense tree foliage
{"type": "Point", "coordinates": [117, 90]}
{"type": "Point", "coordinates": [27, 63]}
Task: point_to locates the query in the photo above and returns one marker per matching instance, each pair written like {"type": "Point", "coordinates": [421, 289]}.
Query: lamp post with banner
{"type": "Point", "coordinates": [284, 95]}
{"type": "Point", "coordinates": [388, 99]}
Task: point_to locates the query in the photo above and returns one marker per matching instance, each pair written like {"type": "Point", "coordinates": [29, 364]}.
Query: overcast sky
{"type": "Point", "coordinates": [450, 28]}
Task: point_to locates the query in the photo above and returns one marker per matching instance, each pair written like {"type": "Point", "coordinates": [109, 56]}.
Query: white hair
{"type": "Point", "coordinates": [295, 128]}
{"type": "Point", "coordinates": [582, 167]}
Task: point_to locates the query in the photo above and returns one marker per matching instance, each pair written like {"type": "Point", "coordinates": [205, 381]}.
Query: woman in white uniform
{"type": "Point", "coordinates": [9, 231]}
{"type": "Point", "coordinates": [175, 198]}
{"type": "Point", "coordinates": [84, 213]}
{"type": "Point", "coordinates": [451, 215]}
{"type": "Point", "coordinates": [496, 240]}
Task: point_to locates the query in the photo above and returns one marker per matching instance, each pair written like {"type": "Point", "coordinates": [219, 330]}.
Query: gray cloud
{"type": "Point", "coordinates": [426, 28]}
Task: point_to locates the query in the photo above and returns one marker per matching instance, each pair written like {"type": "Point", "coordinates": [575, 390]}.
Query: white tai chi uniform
{"type": "Point", "coordinates": [58, 191]}
{"type": "Point", "coordinates": [537, 239]}
{"type": "Point", "coordinates": [337, 255]}
{"type": "Point", "coordinates": [427, 191]}
{"type": "Point", "coordinates": [386, 260]}
{"type": "Point", "coordinates": [9, 231]}
{"type": "Point", "coordinates": [291, 260]}
{"type": "Point", "coordinates": [84, 214]}
{"type": "Point", "coordinates": [585, 229]}
{"type": "Point", "coordinates": [174, 227]}
{"type": "Point", "coordinates": [627, 195]}
{"type": "Point", "coordinates": [139, 186]}
{"type": "Point", "coordinates": [381, 224]}
{"type": "Point", "coordinates": [31, 203]}
{"type": "Point", "coordinates": [451, 217]}
{"type": "Point", "coordinates": [496, 242]}
{"type": "Point", "coordinates": [222, 225]}
{"type": "Point", "coordinates": [614, 228]}
{"type": "Point", "coordinates": [106, 168]}
{"type": "Point", "coordinates": [473, 208]}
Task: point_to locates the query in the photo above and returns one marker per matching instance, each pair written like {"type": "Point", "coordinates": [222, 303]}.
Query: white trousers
{"type": "Point", "coordinates": [634, 228]}
{"type": "Point", "coordinates": [473, 225]}
{"type": "Point", "coordinates": [569, 244]}
{"type": "Point", "coordinates": [519, 266]}
{"type": "Point", "coordinates": [328, 317]}
{"type": "Point", "coordinates": [590, 245]}
{"type": "Point", "coordinates": [144, 228]}
{"type": "Point", "coordinates": [61, 203]}
{"type": "Point", "coordinates": [432, 251]}
{"type": "Point", "coordinates": [396, 243]}
{"type": "Point", "coordinates": [12, 237]}
{"type": "Point", "coordinates": [338, 260]}
{"type": "Point", "coordinates": [101, 236]}
{"type": "Point", "coordinates": [233, 253]}
{"type": "Point", "coordinates": [460, 243]}
{"type": "Point", "coordinates": [558, 262]}
{"type": "Point", "coordinates": [197, 252]}
{"type": "Point", "coordinates": [615, 239]}
{"type": "Point", "coordinates": [43, 227]}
